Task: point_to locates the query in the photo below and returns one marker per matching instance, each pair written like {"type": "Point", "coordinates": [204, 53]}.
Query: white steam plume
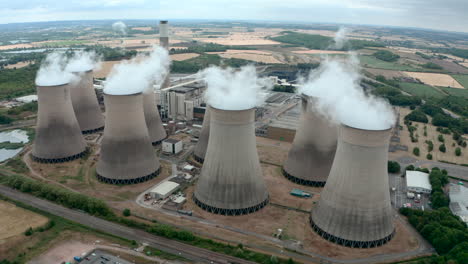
{"type": "Point", "coordinates": [139, 73]}
{"type": "Point", "coordinates": [340, 38]}
{"type": "Point", "coordinates": [82, 61]}
{"type": "Point", "coordinates": [120, 27]}
{"type": "Point", "coordinates": [340, 97]}
{"type": "Point", "coordinates": [53, 70]}
{"type": "Point", "coordinates": [231, 89]}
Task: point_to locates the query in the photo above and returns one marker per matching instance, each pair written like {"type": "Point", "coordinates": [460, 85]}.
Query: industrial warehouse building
{"type": "Point", "coordinates": [459, 201]}
{"type": "Point", "coordinates": [418, 182]}
{"type": "Point", "coordinates": [172, 146]}
{"type": "Point", "coordinates": [284, 127]}
{"type": "Point", "coordinates": [163, 190]}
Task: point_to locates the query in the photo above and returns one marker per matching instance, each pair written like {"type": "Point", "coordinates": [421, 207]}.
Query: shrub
{"type": "Point", "coordinates": [458, 152]}
{"type": "Point", "coordinates": [442, 148]}
{"type": "Point", "coordinates": [416, 151]}
{"type": "Point", "coordinates": [417, 116]}
{"type": "Point", "coordinates": [126, 212]}
{"type": "Point", "coordinates": [441, 138]}
{"type": "Point", "coordinates": [429, 156]}
{"type": "Point", "coordinates": [29, 232]}
{"type": "Point", "coordinates": [393, 166]}
{"type": "Point", "coordinates": [386, 55]}
{"type": "Point", "coordinates": [430, 145]}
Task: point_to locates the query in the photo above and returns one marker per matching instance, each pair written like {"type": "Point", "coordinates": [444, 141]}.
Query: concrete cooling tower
{"type": "Point", "coordinates": [58, 135]}
{"type": "Point", "coordinates": [354, 208]}
{"type": "Point", "coordinates": [156, 131]}
{"type": "Point", "coordinates": [164, 42]}
{"type": "Point", "coordinates": [200, 148]}
{"type": "Point", "coordinates": [127, 156]}
{"type": "Point", "coordinates": [231, 181]}
{"type": "Point", "coordinates": [311, 155]}
{"type": "Point", "coordinates": [84, 100]}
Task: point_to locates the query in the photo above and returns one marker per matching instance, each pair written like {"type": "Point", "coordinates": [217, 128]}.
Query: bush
{"type": "Point", "coordinates": [429, 156]}
{"type": "Point", "coordinates": [410, 168]}
{"type": "Point", "coordinates": [29, 232]}
{"type": "Point", "coordinates": [458, 152]}
{"type": "Point", "coordinates": [441, 138]}
{"type": "Point", "coordinates": [432, 66]}
{"type": "Point", "coordinates": [386, 55]}
{"type": "Point", "coordinates": [430, 145]}
{"type": "Point", "coordinates": [417, 116]}
{"type": "Point", "coordinates": [416, 151]}
{"type": "Point", "coordinates": [442, 148]}
{"type": "Point", "coordinates": [126, 212]}
{"type": "Point", "coordinates": [393, 166]}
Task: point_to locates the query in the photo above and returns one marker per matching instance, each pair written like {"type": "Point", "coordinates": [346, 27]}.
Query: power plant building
{"type": "Point", "coordinates": [354, 208]}
{"type": "Point", "coordinates": [85, 103]}
{"type": "Point", "coordinates": [418, 182]}
{"type": "Point", "coordinates": [58, 135]}
{"type": "Point", "coordinates": [126, 156]}
{"type": "Point", "coordinates": [200, 149]}
{"type": "Point", "coordinates": [231, 181]}
{"type": "Point", "coordinates": [311, 155]}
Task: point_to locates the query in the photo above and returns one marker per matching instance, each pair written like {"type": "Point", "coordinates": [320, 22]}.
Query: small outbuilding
{"type": "Point", "coordinates": [418, 182]}
{"type": "Point", "coordinates": [163, 190]}
{"type": "Point", "coordinates": [172, 146]}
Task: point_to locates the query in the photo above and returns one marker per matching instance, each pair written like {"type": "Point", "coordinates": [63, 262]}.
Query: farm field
{"type": "Point", "coordinates": [435, 79]}
{"type": "Point", "coordinates": [421, 90]}
{"type": "Point", "coordinates": [462, 79]}
{"type": "Point", "coordinates": [240, 39]}
{"type": "Point", "coordinates": [455, 92]}
{"type": "Point", "coordinates": [15, 220]}
{"type": "Point", "coordinates": [18, 65]}
{"type": "Point", "coordinates": [372, 62]}
{"type": "Point", "coordinates": [184, 56]}
{"type": "Point", "coordinates": [253, 55]}
{"type": "Point", "coordinates": [319, 52]}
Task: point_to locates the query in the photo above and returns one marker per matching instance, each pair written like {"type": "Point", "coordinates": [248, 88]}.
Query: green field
{"type": "Point", "coordinates": [462, 79]}
{"type": "Point", "coordinates": [373, 62]}
{"type": "Point", "coordinates": [64, 43]}
{"type": "Point", "coordinates": [420, 90]}
{"type": "Point", "coordinates": [455, 91]}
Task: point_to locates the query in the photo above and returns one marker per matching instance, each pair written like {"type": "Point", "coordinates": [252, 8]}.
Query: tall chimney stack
{"type": "Point", "coordinates": [164, 42]}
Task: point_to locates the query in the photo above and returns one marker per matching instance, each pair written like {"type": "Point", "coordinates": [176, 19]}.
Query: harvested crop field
{"type": "Point", "coordinates": [16, 46]}
{"type": "Point", "coordinates": [319, 52]}
{"type": "Point", "coordinates": [15, 220]}
{"type": "Point", "coordinates": [18, 65]}
{"type": "Point", "coordinates": [184, 56]}
{"type": "Point", "coordinates": [142, 28]}
{"type": "Point", "coordinates": [389, 74]}
{"type": "Point", "coordinates": [240, 39]}
{"type": "Point", "coordinates": [265, 58]}
{"type": "Point", "coordinates": [435, 79]}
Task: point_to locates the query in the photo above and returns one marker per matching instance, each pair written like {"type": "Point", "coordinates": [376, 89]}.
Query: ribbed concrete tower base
{"type": "Point", "coordinates": [85, 104]}
{"type": "Point", "coordinates": [311, 155]}
{"type": "Point", "coordinates": [231, 181]}
{"type": "Point", "coordinates": [127, 156]}
{"type": "Point", "coordinates": [354, 209]}
{"type": "Point", "coordinates": [156, 131]}
{"type": "Point", "coordinates": [58, 136]}
{"type": "Point", "coordinates": [200, 149]}
{"type": "Point", "coordinates": [164, 42]}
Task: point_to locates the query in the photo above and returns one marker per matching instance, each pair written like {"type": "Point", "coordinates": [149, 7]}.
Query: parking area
{"type": "Point", "coordinates": [399, 194]}
{"type": "Point", "coordinates": [99, 257]}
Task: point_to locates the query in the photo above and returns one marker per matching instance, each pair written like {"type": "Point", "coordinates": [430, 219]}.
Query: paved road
{"type": "Point", "coordinates": [453, 170]}
{"type": "Point", "coordinates": [190, 252]}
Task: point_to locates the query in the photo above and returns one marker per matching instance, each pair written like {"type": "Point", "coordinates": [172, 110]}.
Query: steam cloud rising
{"type": "Point", "coordinates": [340, 38]}
{"type": "Point", "coordinates": [138, 74]}
{"type": "Point", "coordinates": [57, 67]}
{"type": "Point", "coordinates": [231, 89]}
{"type": "Point", "coordinates": [120, 27]}
{"type": "Point", "coordinates": [336, 85]}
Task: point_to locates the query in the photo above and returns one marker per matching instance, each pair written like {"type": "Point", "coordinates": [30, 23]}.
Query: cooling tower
{"type": "Point", "coordinates": [156, 130]}
{"type": "Point", "coordinates": [164, 42]}
{"type": "Point", "coordinates": [354, 208]}
{"type": "Point", "coordinates": [311, 155]}
{"type": "Point", "coordinates": [58, 135]}
{"type": "Point", "coordinates": [231, 181]}
{"type": "Point", "coordinates": [200, 148]}
{"type": "Point", "coordinates": [127, 156]}
{"type": "Point", "coordinates": [85, 103]}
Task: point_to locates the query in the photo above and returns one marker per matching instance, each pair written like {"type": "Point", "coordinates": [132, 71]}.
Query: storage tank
{"type": "Point", "coordinates": [85, 103]}
{"type": "Point", "coordinates": [354, 208]}
{"type": "Point", "coordinates": [231, 181]}
{"type": "Point", "coordinates": [58, 136]}
{"type": "Point", "coordinates": [156, 131]}
{"type": "Point", "coordinates": [311, 155]}
{"type": "Point", "coordinates": [126, 156]}
{"type": "Point", "coordinates": [200, 148]}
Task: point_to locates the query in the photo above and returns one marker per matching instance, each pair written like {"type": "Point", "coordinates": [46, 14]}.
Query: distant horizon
{"type": "Point", "coordinates": [217, 20]}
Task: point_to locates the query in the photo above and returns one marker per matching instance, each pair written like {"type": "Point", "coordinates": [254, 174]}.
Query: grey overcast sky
{"type": "Point", "coordinates": [449, 15]}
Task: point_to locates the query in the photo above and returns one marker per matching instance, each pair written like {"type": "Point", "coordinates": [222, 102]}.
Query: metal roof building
{"type": "Point", "coordinates": [418, 182]}
{"type": "Point", "coordinates": [354, 208]}
{"type": "Point", "coordinates": [126, 156]}
{"type": "Point", "coordinates": [58, 135]}
{"type": "Point", "coordinates": [311, 155]}
{"type": "Point", "coordinates": [231, 181]}
{"type": "Point", "coordinates": [164, 189]}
